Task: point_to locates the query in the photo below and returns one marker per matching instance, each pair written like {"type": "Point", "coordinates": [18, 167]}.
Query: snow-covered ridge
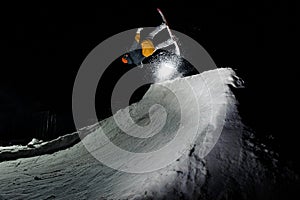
{"type": "Point", "coordinates": [228, 170]}
{"type": "Point", "coordinates": [35, 149]}
{"type": "Point", "coordinates": [39, 148]}
{"type": "Point", "coordinates": [63, 142]}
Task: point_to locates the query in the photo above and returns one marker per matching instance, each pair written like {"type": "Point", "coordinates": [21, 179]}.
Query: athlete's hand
{"type": "Point", "coordinates": [139, 30]}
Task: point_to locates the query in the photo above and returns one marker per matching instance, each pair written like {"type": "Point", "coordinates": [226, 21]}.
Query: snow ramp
{"type": "Point", "coordinates": [188, 158]}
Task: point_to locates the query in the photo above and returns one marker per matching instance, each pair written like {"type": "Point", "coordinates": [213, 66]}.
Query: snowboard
{"type": "Point", "coordinates": [177, 51]}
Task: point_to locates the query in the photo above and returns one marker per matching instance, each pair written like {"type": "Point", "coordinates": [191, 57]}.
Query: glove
{"type": "Point", "coordinates": [139, 30]}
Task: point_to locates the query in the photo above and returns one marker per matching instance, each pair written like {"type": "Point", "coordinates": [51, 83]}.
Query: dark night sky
{"type": "Point", "coordinates": [43, 48]}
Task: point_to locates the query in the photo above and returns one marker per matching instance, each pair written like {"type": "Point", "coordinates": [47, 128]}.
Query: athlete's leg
{"type": "Point", "coordinates": [165, 44]}
{"type": "Point", "coordinates": [157, 30]}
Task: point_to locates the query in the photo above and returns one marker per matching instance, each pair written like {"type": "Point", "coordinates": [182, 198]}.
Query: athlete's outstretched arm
{"type": "Point", "coordinates": [136, 41]}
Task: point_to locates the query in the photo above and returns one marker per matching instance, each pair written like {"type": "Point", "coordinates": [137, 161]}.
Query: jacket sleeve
{"type": "Point", "coordinates": [136, 43]}
{"type": "Point", "coordinates": [137, 37]}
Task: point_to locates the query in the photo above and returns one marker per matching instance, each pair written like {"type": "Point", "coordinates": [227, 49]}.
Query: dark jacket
{"type": "Point", "coordinates": [135, 55]}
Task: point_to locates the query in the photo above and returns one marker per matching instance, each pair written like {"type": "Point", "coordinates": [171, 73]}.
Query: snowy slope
{"type": "Point", "coordinates": [40, 148]}
{"type": "Point", "coordinates": [231, 170]}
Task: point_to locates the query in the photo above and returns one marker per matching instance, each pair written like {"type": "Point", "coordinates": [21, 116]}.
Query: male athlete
{"type": "Point", "coordinates": [142, 49]}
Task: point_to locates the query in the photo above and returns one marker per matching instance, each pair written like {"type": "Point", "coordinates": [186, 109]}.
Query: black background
{"type": "Point", "coordinates": [43, 47]}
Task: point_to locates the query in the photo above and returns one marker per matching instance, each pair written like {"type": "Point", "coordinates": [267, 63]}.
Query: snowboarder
{"type": "Point", "coordinates": [142, 49]}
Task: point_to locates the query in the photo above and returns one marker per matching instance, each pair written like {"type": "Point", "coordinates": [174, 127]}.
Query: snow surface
{"type": "Point", "coordinates": [38, 147]}
{"type": "Point", "coordinates": [230, 169]}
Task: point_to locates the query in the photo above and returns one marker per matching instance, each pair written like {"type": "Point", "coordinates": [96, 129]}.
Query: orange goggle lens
{"type": "Point", "coordinates": [124, 60]}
